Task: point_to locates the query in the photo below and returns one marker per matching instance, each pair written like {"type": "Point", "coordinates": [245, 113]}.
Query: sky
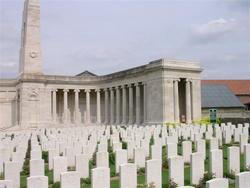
{"type": "Point", "coordinates": [107, 36]}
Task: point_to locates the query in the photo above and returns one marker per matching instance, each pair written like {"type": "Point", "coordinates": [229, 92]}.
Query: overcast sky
{"type": "Point", "coordinates": [108, 36]}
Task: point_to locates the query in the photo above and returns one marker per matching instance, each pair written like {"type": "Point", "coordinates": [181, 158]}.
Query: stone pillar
{"type": "Point", "coordinates": [144, 102]}
{"type": "Point", "coordinates": [112, 106]}
{"type": "Point", "coordinates": [88, 105]}
{"type": "Point", "coordinates": [77, 109]}
{"type": "Point", "coordinates": [106, 105]}
{"type": "Point", "coordinates": [54, 106]}
{"type": "Point", "coordinates": [196, 103]}
{"type": "Point", "coordinates": [16, 109]}
{"type": "Point", "coordinates": [98, 106]}
{"type": "Point", "coordinates": [65, 106]}
{"type": "Point", "coordinates": [168, 100]}
{"type": "Point", "coordinates": [118, 105]}
{"type": "Point", "coordinates": [124, 105]}
{"type": "Point", "coordinates": [188, 102]}
{"type": "Point", "coordinates": [130, 105]}
{"type": "Point", "coordinates": [176, 102]}
{"type": "Point", "coordinates": [138, 104]}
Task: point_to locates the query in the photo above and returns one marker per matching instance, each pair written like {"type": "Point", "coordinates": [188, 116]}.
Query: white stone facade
{"type": "Point", "coordinates": [159, 92]}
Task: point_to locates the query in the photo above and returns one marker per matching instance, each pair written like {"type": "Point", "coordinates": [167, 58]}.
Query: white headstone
{"type": "Point", "coordinates": [140, 157]}
{"type": "Point", "coordinates": [103, 147]}
{"type": "Point", "coordinates": [243, 141]}
{"type": "Point", "coordinates": [154, 173]}
{"type": "Point", "coordinates": [242, 180]}
{"type": "Point", "coordinates": [82, 165]}
{"type": "Point", "coordinates": [70, 180]}
{"type": "Point", "coordinates": [100, 177]}
{"type": "Point", "coordinates": [60, 166]}
{"type": "Point", "coordinates": [117, 146]}
{"type": "Point", "coordinates": [37, 167]}
{"type": "Point", "coordinates": [197, 168]}
{"type": "Point", "coordinates": [201, 147]}
{"type": "Point", "coordinates": [236, 135]}
{"type": "Point", "coordinates": [156, 152]}
{"type": "Point", "coordinates": [217, 183]}
{"type": "Point", "coordinates": [227, 136]}
{"type": "Point", "coordinates": [233, 160]}
{"type": "Point", "coordinates": [128, 176]}
{"type": "Point", "coordinates": [131, 146]}
{"type": "Point", "coordinates": [216, 163]}
{"type": "Point", "coordinates": [247, 156]}
{"type": "Point", "coordinates": [213, 144]}
{"type": "Point", "coordinates": [36, 154]}
{"type": "Point", "coordinates": [102, 159]}
{"type": "Point", "coordinates": [176, 170]}
{"type": "Point", "coordinates": [52, 153]}
{"type": "Point", "coordinates": [37, 181]}
{"type": "Point", "coordinates": [121, 157]}
{"type": "Point", "coordinates": [6, 184]}
{"type": "Point", "coordinates": [171, 150]}
{"type": "Point", "coordinates": [70, 154]}
{"type": "Point", "coordinates": [12, 172]}
{"type": "Point", "coordinates": [186, 151]}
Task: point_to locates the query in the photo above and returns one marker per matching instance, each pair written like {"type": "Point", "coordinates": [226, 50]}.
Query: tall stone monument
{"type": "Point", "coordinates": [30, 52]}
{"type": "Point", "coordinates": [34, 97]}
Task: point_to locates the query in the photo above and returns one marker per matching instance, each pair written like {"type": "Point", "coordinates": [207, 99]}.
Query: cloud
{"type": "Point", "coordinates": [213, 30]}
{"type": "Point", "coordinates": [9, 65]}
{"type": "Point", "coordinates": [8, 69]}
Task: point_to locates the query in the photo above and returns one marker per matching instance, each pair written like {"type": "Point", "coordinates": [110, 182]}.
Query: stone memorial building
{"type": "Point", "coordinates": [158, 92]}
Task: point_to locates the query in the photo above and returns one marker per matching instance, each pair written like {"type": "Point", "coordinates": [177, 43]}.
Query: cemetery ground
{"type": "Point", "coordinates": [114, 177]}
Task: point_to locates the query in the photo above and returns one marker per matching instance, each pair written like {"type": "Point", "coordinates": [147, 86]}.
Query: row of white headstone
{"type": "Point", "coordinates": [69, 147]}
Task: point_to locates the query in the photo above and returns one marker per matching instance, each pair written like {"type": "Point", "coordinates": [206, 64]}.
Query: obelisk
{"type": "Point", "coordinates": [30, 52]}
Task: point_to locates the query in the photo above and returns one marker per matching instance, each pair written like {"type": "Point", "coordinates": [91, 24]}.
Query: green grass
{"type": "Point", "coordinates": [23, 181]}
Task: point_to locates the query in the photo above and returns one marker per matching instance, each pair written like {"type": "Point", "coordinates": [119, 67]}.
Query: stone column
{"type": "Point", "coordinates": [88, 105]}
{"type": "Point", "coordinates": [196, 102]}
{"type": "Point", "coordinates": [112, 106]}
{"type": "Point", "coordinates": [168, 100]}
{"type": "Point", "coordinates": [176, 101]}
{"type": "Point", "coordinates": [144, 102]}
{"type": "Point", "coordinates": [106, 106]}
{"type": "Point", "coordinates": [124, 105]}
{"type": "Point", "coordinates": [77, 110]}
{"type": "Point", "coordinates": [54, 105]}
{"type": "Point", "coordinates": [130, 105]}
{"type": "Point", "coordinates": [138, 104]}
{"type": "Point", "coordinates": [188, 102]}
{"type": "Point", "coordinates": [117, 105]}
{"type": "Point", "coordinates": [16, 109]}
{"type": "Point", "coordinates": [98, 106]}
{"type": "Point", "coordinates": [65, 106]}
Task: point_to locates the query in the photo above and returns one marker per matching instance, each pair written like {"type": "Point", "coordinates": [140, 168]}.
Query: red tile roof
{"type": "Point", "coordinates": [238, 87]}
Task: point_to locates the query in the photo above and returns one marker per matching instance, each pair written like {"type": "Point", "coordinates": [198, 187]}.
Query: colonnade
{"type": "Point", "coordinates": [119, 104]}
{"type": "Point", "coordinates": [124, 104]}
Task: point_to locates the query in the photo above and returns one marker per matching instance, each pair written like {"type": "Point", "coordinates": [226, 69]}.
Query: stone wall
{"type": "Point", "coordinates": [8, 107]}
{"type": "Point", "coordinates": [223, 113]}
{"type": "Point", "coordinates": [35, 104]}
